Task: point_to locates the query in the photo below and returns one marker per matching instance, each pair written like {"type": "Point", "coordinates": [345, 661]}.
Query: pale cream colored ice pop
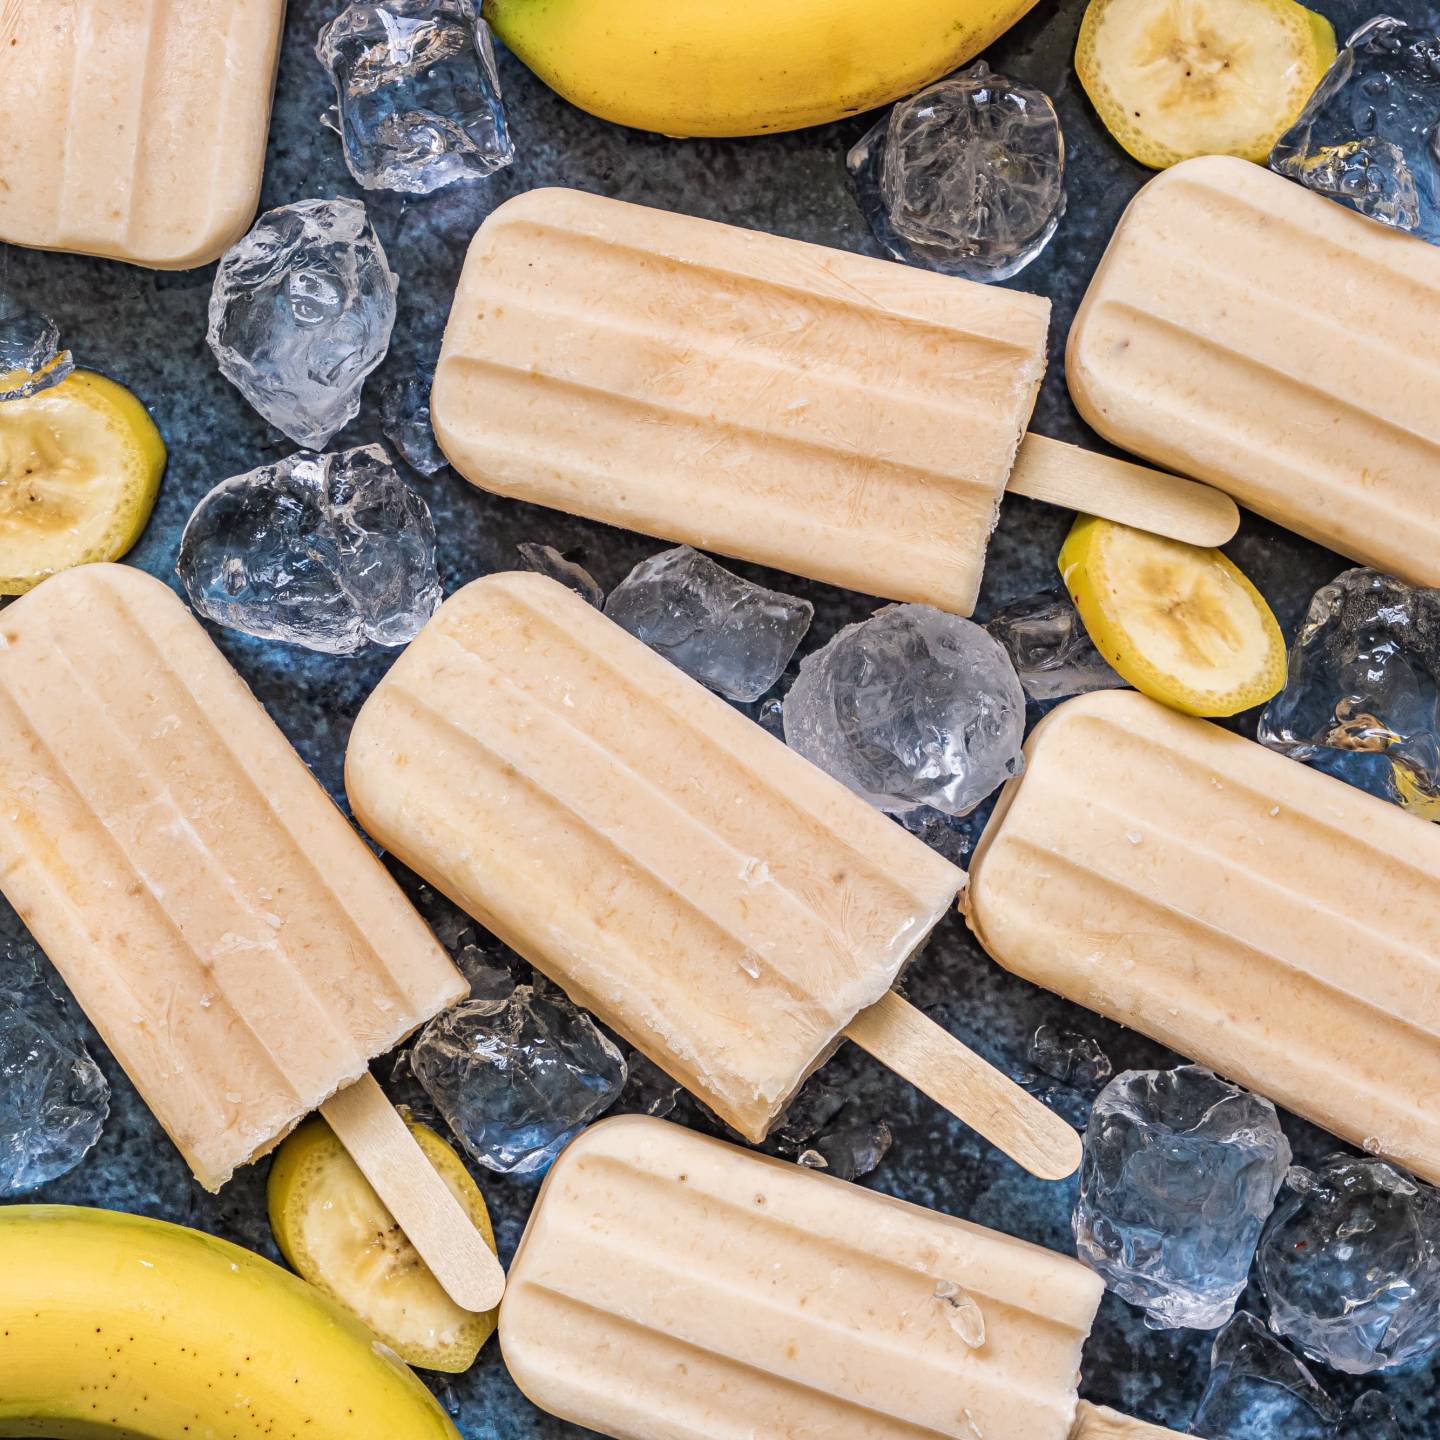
{"type": "Point", "coordinates": [1253, 334]}
{"type": "Point", "coordinates": [672, 1287]}
{"type": "Point", "coordinates": [1254, 914]}
{"type": "Point", "coordinates": [726, 906]}
{"type": "Point", "coordinates": [840, 417]}
{"type": "Point", "coordinates": [134, 129]}
{"type": "Point", "coordinates": [229, 934]}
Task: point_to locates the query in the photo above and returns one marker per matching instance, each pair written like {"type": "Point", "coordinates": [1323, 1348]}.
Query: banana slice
{"type": "Point", "coordinates": [1181, 624]}
{"type": "Point", "coordinates": [335, 1232]}
{"type": "Point", "coordinates": [79, 467]}
{"type": "Point", "coordinates": [1177, 78]}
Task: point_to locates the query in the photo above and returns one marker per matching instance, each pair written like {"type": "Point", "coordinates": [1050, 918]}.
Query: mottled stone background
{"type": "Point", "coordinates": [148, 330]}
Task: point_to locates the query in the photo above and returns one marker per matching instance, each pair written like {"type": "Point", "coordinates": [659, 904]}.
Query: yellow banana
{"type": "Point", "coordinates": [117, 1325]}
{"type": "Point", "coordinates": [743, 67]}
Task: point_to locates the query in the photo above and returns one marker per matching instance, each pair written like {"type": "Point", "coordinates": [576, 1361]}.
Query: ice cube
{"type": "Point", "coordinates": [1368, 135]}
{"type": "Point", "coordinates": [733, 636]}
{"type": "Point", "coordinates": [333, 552]}
{"type": "Point", "coordinates": [547, 560]}
{"type": "Point", "coordinates": [852, 1150]}
{"type": "Point", "coordinates": [649, 1090]}
{"type": "Point", "coordinates": [1258, 1390]}
{"type": "Point", "coordinates": [405, 422]}
{"type": "Point", "coordinates": [53, 1099]}
{"type": "Point", "coordinates": [1050, 647]}
{"type": "Point", "coordinates": [31, 356]}
{"type": "Point", "coordinates": [417, 94]}
{"type": "Point", "coordinates": [1362, 700]}
{"type": "Point", "coordinates": [967, 177]}
{"type": "Point", "coordinates": [1180, 1170]}
{"type": "Point", "coordinates": [815, 1107]}
{"type": "Point", "coordinates": [301, 313]}
{"type": "Point", "coordinates": [1350, 1265]}
{"type": "Point", "coordinates": [1071, 1058]}
{"type": "Point", "coordinates": [1372, 1417]}
{"type": "Point", "coordinates": [911, 707]}
{"type": "Point", "coordinates": [516, 1079]}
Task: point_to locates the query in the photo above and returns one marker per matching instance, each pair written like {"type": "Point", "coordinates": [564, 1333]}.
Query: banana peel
{"type": "Point", "coordinates": [119, 1325]}
{"type": "Point", "coordinates": [743, 67]}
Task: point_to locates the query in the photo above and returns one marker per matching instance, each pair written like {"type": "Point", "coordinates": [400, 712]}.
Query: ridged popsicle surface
{"type": "Point", "coordinates": [134, 129]}
{"type": "Point", "coordinates": [829, 414]}
{"type": "Point", "coordinates": [1247, 332]}
{"type": "Point", "coordinates": [715, 898]}
{"type": "Point", "coordinates": [672, 1287]}
{"type": "Point", "coordinates": [1255, 915]}
{"type": "Point", "coordinates": [229, 934]}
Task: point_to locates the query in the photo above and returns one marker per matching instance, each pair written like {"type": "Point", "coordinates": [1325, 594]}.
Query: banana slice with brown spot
{"type": "Point", "coordinates": [1176, 78]}
{"type": "Point", "coordinates": [1182, 624]}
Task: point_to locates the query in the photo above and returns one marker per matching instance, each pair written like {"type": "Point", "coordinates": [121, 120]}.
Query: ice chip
{"type": "Point", "coordinates": [1367, 137]}
{"type": "Point", "coordinates": [516, 1081]}
{"type": "Point", "coordinates": [1350, 1266]}
{"type": "Point", "coordinates": [852, 1150]}
{"type": "Point", "coordinates": [1258, 1390]}
{"type": "Point", "coordinates": [417, 93]}
{"type": "Point", "coordinates": [1073, 1059]}
{"type": "Point", "coordinates": [911, 707]}
{"type": "Point", "coordinates": [405, 422]}
{"type": "Point", "coordinates": [333, 552]}
{"type": "Point", "coordinates": [53, 1099]}
{"type": "Point", "coordinates": [808, 1114]}
{"type": "Point", "coordinates": [31, 356]}
{"type": "Point", "coordinates": [648, 1090]}
{"type": "Point", "coordinates": [967, 177]}
{"type": "Point", "coordinates": [301, 312]}
{"type": "Point", "coordinates": [733, 636]}
{"type": "Point", "coordinates": [1362, 699]}
{"type": "Point", "coordinates": [1372, 1417]}
{"type": "Point", "coordinates": [547, 560]}
{"type": "Point", "coordinates": [1051, 650]}
{"type": "Point", "coordinates": [1181, 1169]}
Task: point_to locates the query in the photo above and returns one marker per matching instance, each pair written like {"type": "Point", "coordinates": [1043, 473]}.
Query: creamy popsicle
{"type": "Point", "coordinates": [672, 1287]}
{"type": "Point", "coordinates": [1246, 331]}
{"type": "Point", "coordinates": [134, 129]}
{"type": "Point", "coordinates": [727, 907]}
{"type": "Point", "coordinates": [240, 949]}
{"type": "Point", "coordinates": [833, 415]}
{"type": "Point", "coordinates": [1254, 914]}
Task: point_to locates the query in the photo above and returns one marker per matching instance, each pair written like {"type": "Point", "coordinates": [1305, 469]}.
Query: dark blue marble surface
{"type": "Point", "coordinates": [148, 329]}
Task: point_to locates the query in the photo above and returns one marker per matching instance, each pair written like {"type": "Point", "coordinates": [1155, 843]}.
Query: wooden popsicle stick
{"type": "Point", "coordinates": [912, 1045]}
{"type": "Point", "coordinates": [1095, 1422]}
{"type": "Point", "coordinates": [1120, 490]}
{"type": "Point", "coordinates": [432, 1218]}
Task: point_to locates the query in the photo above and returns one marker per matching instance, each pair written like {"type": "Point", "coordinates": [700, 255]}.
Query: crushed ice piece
{"type": "Point", "coordinates": [1069, 1057]}
{"type": "Point", "coordinates": [952, 836]}
{"type": "Point", "coordinates": [1362, 699]}
{"type": "Point", "coordinates": [812, 1160]}
{"type": "Point", "coordinates": [733, 636]}
{"type": "Point", "coordinates": [405, 422]}
{"type": "Point", "coordinates": [1370, 135]}
{"type": "Point", "coordinates": [1051, 650]}
{"type": "Point", "coordinates": [1180, 1170]}
{"type": "Point", "coordinates": [54, 1101]}
{"type": "Point", "coordinates": [821, 1124]}
{"type": "Point", "coordinates": [809, 1113]}
{"type": "Point", "coordinates": [417, 93]}
{"type": "Point", "coordinates": [1258, 1390]}
{"type": "Point", "coordinates": [852, 1150]}
{"type": "Point", "coordinates": [1372, 1417]}
{"type": "Point", "coordinates": [31, 356]}
{"type": "Point", "coordinates": [547, 560]}
{"type": "Point", "coordinates": [491, 983]}
{"type": "Point", "coordinates": [301, 313]}
{"type": "Point", "coordinates": [517, 1079]}
{"type": "Point", "coordinates": [333, 552]}
{"type": "Point", "coordinates": [649, 1090]}
{"type": "Point", "coordinates": [1350, 1266]}
{"type": "Point", "coordinates": [771, 718]}
{"type": "Point", "coordinates": [967, 177]}
{"type": "Point", "coordinates": [910, 707]}
{"type": "Point", "coordinates": [966, 1317]}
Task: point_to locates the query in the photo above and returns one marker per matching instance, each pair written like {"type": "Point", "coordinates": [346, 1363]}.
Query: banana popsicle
{"type": "Point", "coordinates": [727, 907]}
{"type": "Point", "coordinates": [673, 1287]}
{"type": "Point", "coordinates": [836, 416]}
{"type": "Point", "coordinates": [1248, 332]}
{"type": "Point", "coordinates": [240, 949]}
{"type": "Point", "coordinates": [1254, 914]}
{"type": "Point", "coordinates": [134, 129]}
